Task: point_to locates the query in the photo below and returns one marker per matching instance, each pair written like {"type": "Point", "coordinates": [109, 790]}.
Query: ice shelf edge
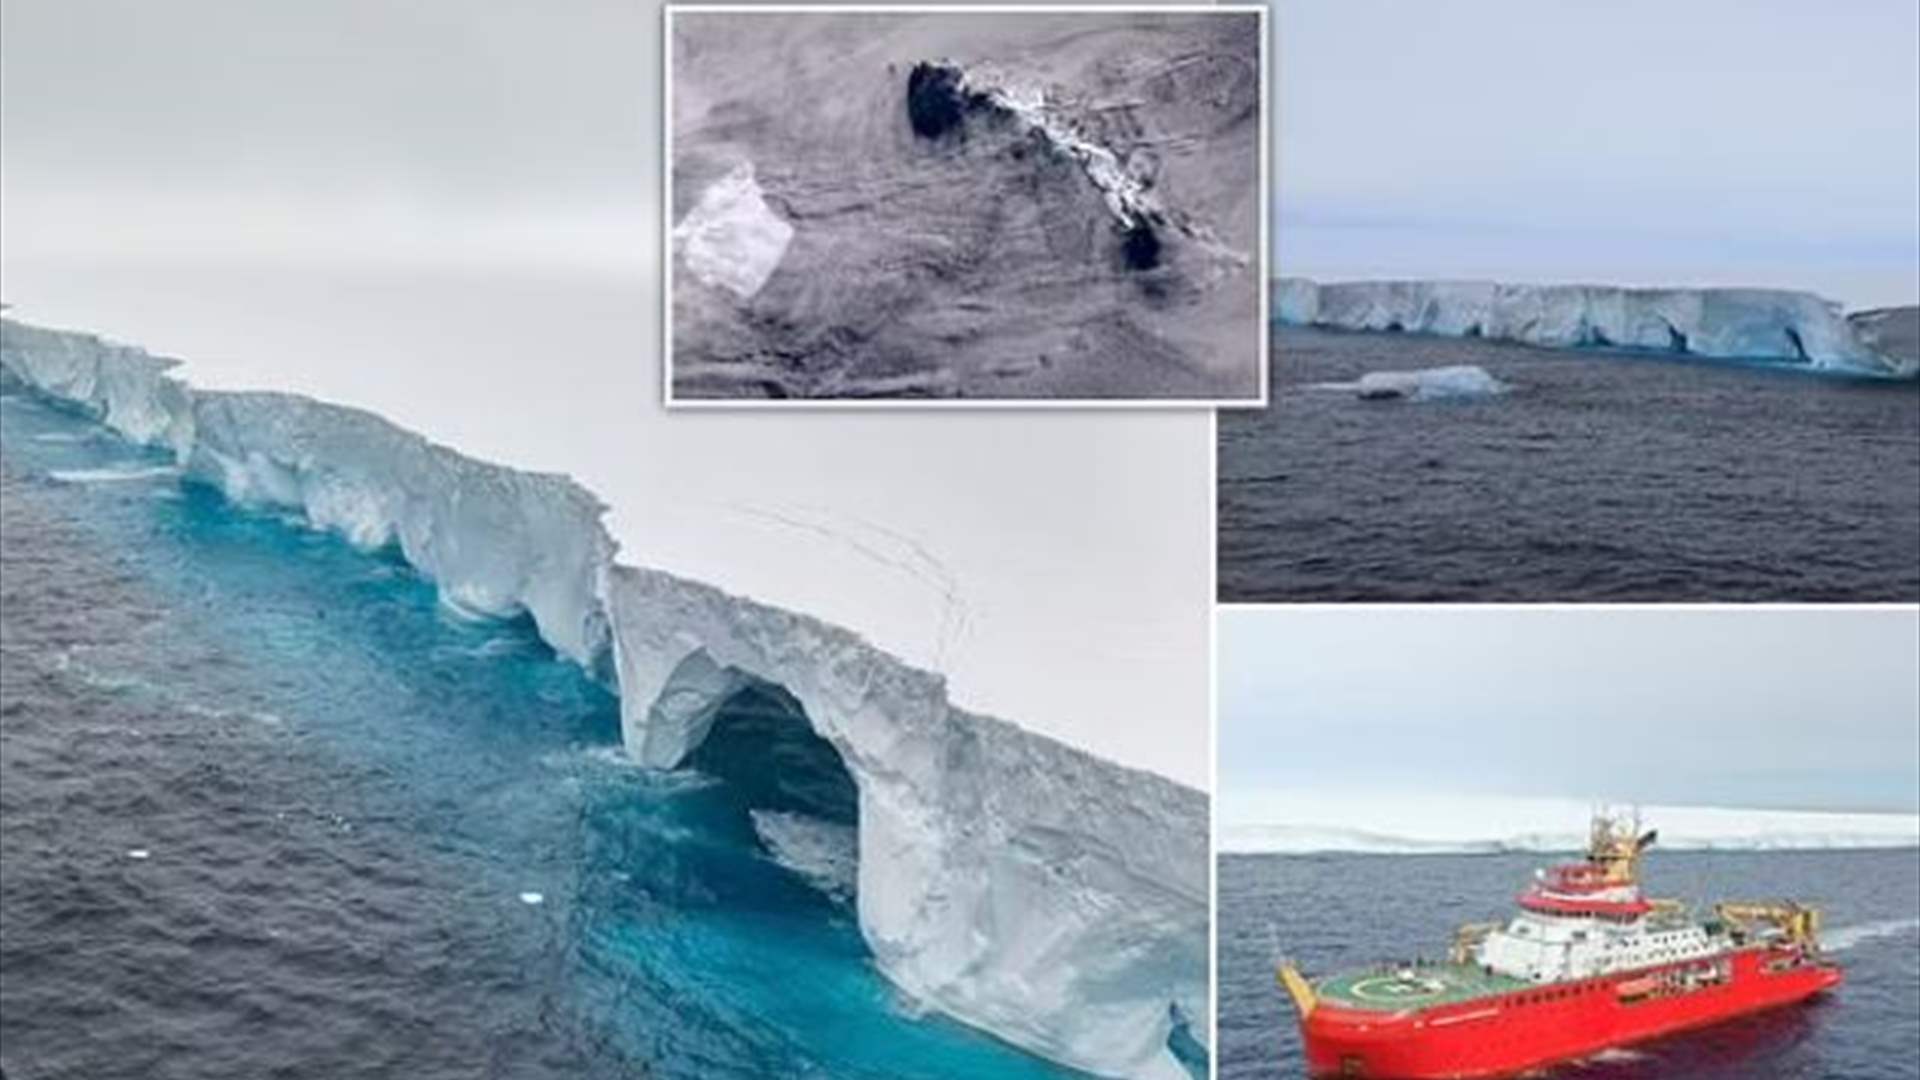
{"type": "Point", "coordinates": [1005, 879]}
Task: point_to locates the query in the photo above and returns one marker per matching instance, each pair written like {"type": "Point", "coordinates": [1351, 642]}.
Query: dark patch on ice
{"type": "Point", "coordinates": [1799, 346]}
{"type": "Point", "coordinates": [1141, 247]}
{"type": "Point", "coordinates": [937, 101]}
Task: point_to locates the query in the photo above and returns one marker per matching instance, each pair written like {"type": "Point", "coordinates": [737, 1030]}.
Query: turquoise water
{"type": "Point", "coordinates": [270, 810]}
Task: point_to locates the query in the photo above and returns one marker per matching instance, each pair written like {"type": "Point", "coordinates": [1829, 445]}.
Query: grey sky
{"type": "Point", "coordinates": [1809, 709]}
{"type": "Point", "coordinates": [448, 212]}
{"type": "Point", "coordinates": [1769, 142]}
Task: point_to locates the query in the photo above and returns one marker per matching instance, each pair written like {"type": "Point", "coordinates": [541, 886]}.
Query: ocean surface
{"type": "Point", "coordinates": [1598, 478]}
{"type": "Point", "coordinates": [268, 810]}
{"type": "Point", "coordinates": [1330, 912]}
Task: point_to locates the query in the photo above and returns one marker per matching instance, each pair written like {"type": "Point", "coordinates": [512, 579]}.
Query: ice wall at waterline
{"type": "Point", "coordinates": [125, 388]}
{"type": "Point", "coordinates": [1750, 324]}
{"type": "Point", "coordinates": [1022, 886]}
{"type": "Point", "coordinates": [1054, 899]}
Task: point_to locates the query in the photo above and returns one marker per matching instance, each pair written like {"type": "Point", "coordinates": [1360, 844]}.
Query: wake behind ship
{"type": "Point", "coordinates": [1587, 964]}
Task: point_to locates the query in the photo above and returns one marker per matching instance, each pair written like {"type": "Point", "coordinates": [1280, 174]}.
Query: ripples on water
{"type": "Point", "coordinates": [1330, 912]}
{"type": "Point", "coordinates": [267, 811]}
{"type": "Point", "coordinates": [1597, 478]}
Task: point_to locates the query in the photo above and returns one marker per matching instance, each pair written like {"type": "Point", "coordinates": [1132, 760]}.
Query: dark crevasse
{"type": "Point", "coordinates": [269, 809]}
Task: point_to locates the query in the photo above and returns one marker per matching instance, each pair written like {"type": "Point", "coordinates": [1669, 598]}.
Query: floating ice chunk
{"type": "Point", "coordinates": [732, 239]}
{"type": "Point", "coordinates": [532, 898]}
{"type": "Point", "coordinates": [138, 853]}
{"type": "Point", "coordinates": [826, 853]}
{"type": "Point", "coordinates": [1461, 382]}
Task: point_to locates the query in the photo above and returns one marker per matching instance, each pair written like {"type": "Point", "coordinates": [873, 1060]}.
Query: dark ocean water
{"type": "Point", "coordinates": [1330, 912]}
{"type": "Point", "coordinates": [1598, 478]}
{"type": "Point", "coordinates": [267, 810]}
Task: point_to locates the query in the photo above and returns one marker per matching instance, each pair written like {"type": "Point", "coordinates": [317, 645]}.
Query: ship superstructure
{"type": "Point", "coordinates": [1587, 963]}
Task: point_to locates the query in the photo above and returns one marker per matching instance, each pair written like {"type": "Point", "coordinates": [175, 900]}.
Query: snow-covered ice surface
{"type": "Point", "coordinates": [1020, 885]}
{"type": "Point", "coordinates": [1386, 822]}
{"type": "Point", "coordinates": [1773, 325]}
{"type": "Point", "coordinates": [732, 239]}
{"type": "Point", "coordinates": [1464, 382]}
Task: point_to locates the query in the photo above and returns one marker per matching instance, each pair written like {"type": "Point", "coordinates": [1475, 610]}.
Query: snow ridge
{"type": "Point", "coordinates": [1043, 894]}
{"type": "Point", "coordinates": [1772, 325]}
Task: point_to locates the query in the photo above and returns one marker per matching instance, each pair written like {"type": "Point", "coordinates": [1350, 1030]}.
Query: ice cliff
{"type": "Point", "coordinates": [1748, 324]}
{"type": "Point", "coordinates": [1042, 894]}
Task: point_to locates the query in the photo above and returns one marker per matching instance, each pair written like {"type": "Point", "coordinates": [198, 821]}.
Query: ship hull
{"type": "Point", "coordinates": [1513, 1033]}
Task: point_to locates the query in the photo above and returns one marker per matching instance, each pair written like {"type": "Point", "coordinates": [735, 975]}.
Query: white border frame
{"type": "Point", "coordinates": [1263, 280]}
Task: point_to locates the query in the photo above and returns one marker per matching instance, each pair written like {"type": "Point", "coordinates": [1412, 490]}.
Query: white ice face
{"type": "Point", "coordinates": [1459, 383]}
{"type": "Point", "coordinates": [1042, 894]}
{"type": "Point", "coordinates": [126, 388]}
{"type": "Point", "coordinates": [732, 239]}
{"type": "Point", "coordinates": [1027, 888]}
{"type": "Point", "coordinates": [1753, 324]}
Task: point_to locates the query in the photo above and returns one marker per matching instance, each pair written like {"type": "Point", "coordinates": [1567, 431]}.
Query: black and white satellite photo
{"type": "Point", "coordinates": [979, 205]}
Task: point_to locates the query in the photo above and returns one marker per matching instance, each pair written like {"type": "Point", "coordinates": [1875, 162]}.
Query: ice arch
{"type": "Point", "coordinates": [999, 879]}
{"type": "Point", "coordinates": [1033, 890]}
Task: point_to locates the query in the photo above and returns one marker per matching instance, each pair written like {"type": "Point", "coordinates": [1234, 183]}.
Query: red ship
{"type": "Point", "coordinates": [1587, 964]}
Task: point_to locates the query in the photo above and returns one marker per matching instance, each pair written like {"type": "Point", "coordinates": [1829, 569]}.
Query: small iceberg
{"type": "Point", "coordinates": [532, 898]}
{"type": "Point", "coordinates": [825, 853]}
{"type": "Point", "coordinates": [1465, 382]}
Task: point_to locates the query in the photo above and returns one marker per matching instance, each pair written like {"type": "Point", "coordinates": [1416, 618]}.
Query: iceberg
{"type": "Point", "coordinates": [1774, 325]}
{"type": "Point", "coordinates": [1040, 893]}
{"type": "Point", "coordinates": [732, 239]}
{"type": "Point", "coordinates": [1463, 382]}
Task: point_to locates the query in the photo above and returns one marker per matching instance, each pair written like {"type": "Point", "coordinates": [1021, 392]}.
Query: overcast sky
{"type": "Point", "coordinates": [1808, 709]}
{"type": "Point", "coordinates": [1763, 142]}
{"type": "Point", "coordinates": [448, 212]}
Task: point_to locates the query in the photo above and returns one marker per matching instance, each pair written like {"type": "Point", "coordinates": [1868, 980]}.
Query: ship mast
{"type": "Point", "coordinates": [1614, 846]}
